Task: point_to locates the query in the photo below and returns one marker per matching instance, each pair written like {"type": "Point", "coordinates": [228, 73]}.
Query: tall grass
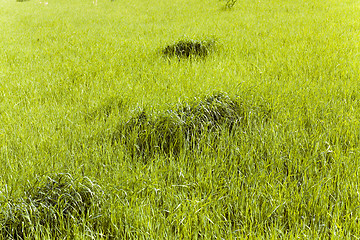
{"type": "Point", "coordinates": [258, 139]}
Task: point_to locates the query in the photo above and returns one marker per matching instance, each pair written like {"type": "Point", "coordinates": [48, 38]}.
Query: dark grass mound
{"type": "Point", "coordinates": [229, 4]}
{"type": "Point", "coordinates": [174, 130]}
{"type": "Point", "coordinates": [54, 207]}
{"type": "Point", "coordinates": [189, 48]}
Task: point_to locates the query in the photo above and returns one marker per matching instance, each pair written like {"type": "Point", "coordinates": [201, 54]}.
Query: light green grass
{"type": "Point", "coordinates": [72, 74]}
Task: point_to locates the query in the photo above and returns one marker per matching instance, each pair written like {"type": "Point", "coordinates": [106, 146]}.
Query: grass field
{"type": "Point", "coordinates": [102, 136]}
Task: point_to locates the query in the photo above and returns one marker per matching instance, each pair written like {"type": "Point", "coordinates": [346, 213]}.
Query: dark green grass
{"type": "Point", "coordinates": [171, 131]}
{"type": "Point", "coordinates": [189, 48]}
{"type": "Point", "coordinates": [57, 207]}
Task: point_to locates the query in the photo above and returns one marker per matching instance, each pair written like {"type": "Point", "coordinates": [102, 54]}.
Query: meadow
{"type": "Point", "coordinates": [104, 136]}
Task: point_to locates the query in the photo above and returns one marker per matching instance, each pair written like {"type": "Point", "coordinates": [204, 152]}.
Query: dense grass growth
{"type": "Point", "coordinates": [256, 137]}
{"type": "Point", "coordinates": [57, 208]}
{"type": "Point", "coordinates": [176, 130]}
{"type": "Point", "coordinates": [189, 48]}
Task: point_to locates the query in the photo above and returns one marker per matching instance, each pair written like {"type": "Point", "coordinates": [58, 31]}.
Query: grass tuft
{"type": "Point", "coordinates": [173, 130]}
{"type": "Point", "coordinates": [56, 206]}
{"type": "Point", "coordinates": [189, 48]}
{"type": "Point", "coordinates": [229, 4]}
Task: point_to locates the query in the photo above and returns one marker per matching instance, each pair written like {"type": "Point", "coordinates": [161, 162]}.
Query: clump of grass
{"type": "Point", "coordinates": [22, 0]}
{"type": "Point", "coordinates": [189, 48]}
{"type": "Point", "coordinates": [173, 130]}
{"type": "Point", "coordinates": [229, 4]}
{"type": "Point", "coordinates": [54, 207]}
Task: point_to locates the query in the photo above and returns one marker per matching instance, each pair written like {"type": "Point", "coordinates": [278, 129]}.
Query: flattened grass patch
{"type": "Point", "coordinates": [104, 110]}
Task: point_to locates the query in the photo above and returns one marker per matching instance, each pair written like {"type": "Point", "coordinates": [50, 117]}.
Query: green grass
{"type": "Point", "coordinates": [274, 157]}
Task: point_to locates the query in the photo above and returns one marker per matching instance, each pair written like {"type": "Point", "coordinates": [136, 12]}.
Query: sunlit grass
{"type": "Point", "coordinates": [282, 161]}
